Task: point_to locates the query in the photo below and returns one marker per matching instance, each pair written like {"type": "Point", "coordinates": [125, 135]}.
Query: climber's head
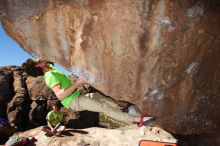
{"type": "Point", "coordinates": [41, 63]}
{"type": "Point", "coordinates": [36, 67]}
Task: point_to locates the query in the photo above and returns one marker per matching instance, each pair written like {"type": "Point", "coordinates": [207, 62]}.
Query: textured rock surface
{"type": "Point", "coordinates": [23, 99]}
{"type": "Point", "coordinates": [128, 136]}
{"type": "Point", "coordinates": [161, 55]}
{"type": "Point", "coordinates": [30, 101]}
{"type": "Point", "coordinates": [17, 109]}
{"type": "Point", "coordinates": [6, 80]}
{"type": "Point", "coordinates": [39, 95]}
{"type": "Point", "coordinates": [6, 89]}
{"type": "Point", "coordinates": [5, 133]}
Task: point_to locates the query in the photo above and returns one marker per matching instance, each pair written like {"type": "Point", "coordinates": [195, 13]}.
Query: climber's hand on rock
{"type": "Point", "coordinates": [81, 80]}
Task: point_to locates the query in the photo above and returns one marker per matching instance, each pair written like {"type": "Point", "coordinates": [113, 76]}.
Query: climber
{"type": "Point", "coordinates": [54, 119]}
{"type": "Point", "coordinates": [69, 95]}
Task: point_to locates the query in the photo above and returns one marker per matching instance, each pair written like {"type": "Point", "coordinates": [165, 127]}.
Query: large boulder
{"type": "Point", "coordinates": [28, 101]}
{"type": "Point", "coordinates": [163, 56]}
{"type": "Point", "coordinates": [39, 95]}
{"type": "Point", "coordinates": [17, 109]}
{"type": "Point", "coordinates": [6, 81]}
{"type": "Point", "coordinates": [129, 136]}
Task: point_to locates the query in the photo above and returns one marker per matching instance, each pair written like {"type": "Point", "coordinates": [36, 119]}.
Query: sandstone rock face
{"type": "Point", "coordinates": [39, 94]}
{"type": "Point", "coordinates": [17, 107]}
{"type": "Point", "coordinates": [128, 136]}
{"type": "Point", "coordinates": [28, 101]}
{"type": "Point", "coordinates": [6, 90]}
{"type": "Point", "coordinates": [23, 99]}
{"type": "Point", "coordinates": [161, 55]}
{"type": "Point", "coordinates": [6, 80]}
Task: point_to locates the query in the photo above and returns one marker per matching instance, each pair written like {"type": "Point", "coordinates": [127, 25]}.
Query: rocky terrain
{"type": "Point", "coordinates": [162, 56]}
{"type": "Point", "coordinates": [26, 103]}
{"type": "Point", "coordinates": [25, 100]}
{"type": "Point", "coordinates": [126, 136]}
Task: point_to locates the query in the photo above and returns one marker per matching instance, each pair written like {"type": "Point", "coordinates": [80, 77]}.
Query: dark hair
{"type": "Point", "coordinates": [30, 68]}
{"type": "Point", "coordinates": [51, 63]}
{"type": "Point", "coordinates": [57, 104]}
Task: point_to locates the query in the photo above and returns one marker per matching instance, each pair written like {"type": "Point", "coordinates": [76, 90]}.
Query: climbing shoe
{"type": "Point", "coordinates": [146, 120]}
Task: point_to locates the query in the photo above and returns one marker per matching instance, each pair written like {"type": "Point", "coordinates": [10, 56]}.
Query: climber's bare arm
{"type": "Point", "coordinates": [62, 93]}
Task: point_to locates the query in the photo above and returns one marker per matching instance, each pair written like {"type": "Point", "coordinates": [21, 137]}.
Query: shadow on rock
{"type": "Point", "coordinates": [69, 132]}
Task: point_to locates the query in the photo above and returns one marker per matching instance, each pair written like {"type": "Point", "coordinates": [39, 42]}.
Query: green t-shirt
{"type": "Point", "coordinates": [53, 77]}
{"type": "Point", "coordinates": [54, 117]}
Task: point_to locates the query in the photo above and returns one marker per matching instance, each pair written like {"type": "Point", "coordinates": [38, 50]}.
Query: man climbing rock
{"type": "Point", "coordinates": [69, 95]}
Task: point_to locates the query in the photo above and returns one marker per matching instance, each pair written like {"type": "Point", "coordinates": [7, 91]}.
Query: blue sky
{"type": "Point", "coordinates": [12, 54]}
